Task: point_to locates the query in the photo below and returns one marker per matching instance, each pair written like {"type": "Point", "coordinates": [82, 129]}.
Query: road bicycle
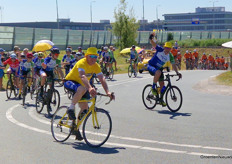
{"type": "Point", "coordinates": [26, 88]}
{"type": "Point", "coordinates": [10, 87]}
{"type": "Point", "coordinates": [173, 95]}
{"type": "Point", "coordinates": [110, 72]}
{"type": "Point", "coordinates": [50, 97]}
{"type": "Point", "coordinates": [131, 70]}
{"type": "Point", "coordinates": [96, 128]}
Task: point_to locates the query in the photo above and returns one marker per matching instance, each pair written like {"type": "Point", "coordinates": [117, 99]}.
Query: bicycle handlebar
{"type": "Point", "coordinates": [111, 98]}
{"type": "Point", "coordinates": [173, 76]}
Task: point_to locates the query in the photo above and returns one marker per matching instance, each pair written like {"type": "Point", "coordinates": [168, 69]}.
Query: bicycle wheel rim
{"type": "Point", "coordinates": [174, 99]}
{"type": "Point", "coordinates": [24, 93]}
{"type": "Point", "coordinates": [61, 125]}
{"type": "Point", "coordinates": [39, 104]}
{"type": "Point", "coordinates": [130, 71]}
{"type": "Point", "coordinates": [55, 103]}
{"type": "Point", "coordinates": [8, 89]}
{"type": "Point", "coordinates": [96, 136]}
{"type": "Point", "coordinates": [149, 100]}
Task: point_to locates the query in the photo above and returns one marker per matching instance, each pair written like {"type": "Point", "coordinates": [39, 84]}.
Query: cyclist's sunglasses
{"type": "Point", "coordinates": [93, 56]}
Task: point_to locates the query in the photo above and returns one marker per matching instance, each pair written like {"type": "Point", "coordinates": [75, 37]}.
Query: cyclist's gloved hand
{"type": "Point", "coordinates": [111, 95]}
{"type": "Point", "coordinates": [92, 92]}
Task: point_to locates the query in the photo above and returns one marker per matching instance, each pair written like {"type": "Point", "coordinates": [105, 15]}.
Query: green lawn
{"type": "Point", "coordinates": [225, 78]}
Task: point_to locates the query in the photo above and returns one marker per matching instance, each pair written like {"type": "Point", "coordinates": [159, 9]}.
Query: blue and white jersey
{"type": "Point", "coordinates": [159, 58]}
{"type": "Point", "coordinates": [38, 63]}
{"type": "Point", "coordinates": [106, 54]}
{"type": "Point", "coordinates": [72, 63]}
{"type": "Point", "coordinates": [26, 66]}
{"type": "Point", "coordinates": [67, 58]}
{"type": "Point", "coordinates": [51, 63]}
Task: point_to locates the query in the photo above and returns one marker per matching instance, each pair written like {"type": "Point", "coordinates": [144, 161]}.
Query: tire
{"type": "Point", "coordinates": [24, 94]}
{"type": "Point", "coordinates": [140, 71]}
{"type": "Point", "coordinates": [61, 126]}
{"type": "Point", "coordinates": [149, 100]}
{"type": "Point", "coordinates": [39, 104]}
{"type": "Point", "coordinates": [96, 136]}
{"type": "Point", "coordinates": [55, 102]}
{"type": "Point", "coordinates": [111, 74]}
{"type": "Point", "coordinates": [9, 89]}
{"type": "Point", "coordinates": [130, 70]}
{"type": "Point", "coordinates": [174, 98]}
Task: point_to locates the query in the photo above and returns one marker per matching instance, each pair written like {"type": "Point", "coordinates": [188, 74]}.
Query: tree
{"type": "Point", "coordinates": [125, 27]}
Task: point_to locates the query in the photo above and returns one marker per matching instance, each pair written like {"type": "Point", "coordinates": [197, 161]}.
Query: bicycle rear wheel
{"type": "Point", "coordinates": [130, 70]}
{"type": "Point", "coordinates": [97, 127]}
{"type": "Point", "coordinates": [54, 103]}
{"type": "Point", "coordinates": [61, 126]}
{"type": "Point", "coordinates": [174, 98]}
{"type": "Point", "coordinates": [149, 100]}
{"type": "Point", "coordinates": [24, 92]}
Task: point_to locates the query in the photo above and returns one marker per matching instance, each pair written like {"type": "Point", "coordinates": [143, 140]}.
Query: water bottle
{"type": "Point", "coordinates": [82, 114]}
{"type": "Point", "coordinates": [163, 89]}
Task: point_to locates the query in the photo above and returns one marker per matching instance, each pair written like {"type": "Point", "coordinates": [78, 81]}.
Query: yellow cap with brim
{"type": "Point", "coordinates": [91, 51]}
{"type": "Point", "coordinates": [168, 45]}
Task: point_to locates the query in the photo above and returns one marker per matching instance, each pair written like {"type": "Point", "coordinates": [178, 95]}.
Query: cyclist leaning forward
{"type": "Point", "coordinates": [78, 81]}
{"type": "Point", "coordinates": [47, 68]}
{"type": "Point", "coordinates": [155, 65]}
{"type": "Point", "coordinates": [26, 67]}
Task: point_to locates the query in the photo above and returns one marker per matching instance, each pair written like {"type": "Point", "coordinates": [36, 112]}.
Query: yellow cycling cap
{"type": "Point", "coordinates": [168, 45]}
{"type": "Point", "coordinates": [91, 51]}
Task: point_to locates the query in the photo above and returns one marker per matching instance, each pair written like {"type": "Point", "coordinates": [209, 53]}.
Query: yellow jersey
{"type": "Point", "coordinates": [82, 65]}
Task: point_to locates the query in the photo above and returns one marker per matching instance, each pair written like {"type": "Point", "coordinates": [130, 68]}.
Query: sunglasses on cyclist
{"type": "Point", "coordinates": [93, 56]}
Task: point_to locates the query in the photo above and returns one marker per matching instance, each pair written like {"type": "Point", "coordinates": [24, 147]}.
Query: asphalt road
{"type": "Point", "coordinates": [199, 130]}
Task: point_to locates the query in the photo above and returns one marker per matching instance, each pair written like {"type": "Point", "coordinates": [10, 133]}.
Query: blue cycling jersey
{"type": "Point", "coordinates": [51, 63]}
{"type": "Point", "coordinates": [160, 58]}
{"type": "Point", "coordinates": [38, 63]}
{"type": "Point", "coordinates": [26, 66]}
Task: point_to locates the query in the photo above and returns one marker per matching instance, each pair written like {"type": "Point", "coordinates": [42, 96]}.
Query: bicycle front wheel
{"type": "Point", "coordinates": [39, 102]}
{"type": "Point", "coordinates": [111, 74]}
{"type": "Point", "coordinates": [9, 89]}
{"type": "Point", "coordinates": [174, 98]}
{"type": "Point", "coordinates": [130, 70]}
{"type": "Point", "coordinates": [54, 103]}
{"type": "Point", "coordinates": [61, 126]}
{"type": "Point", "coordinates": [24, 94]}
{"type": "Point", "coordinates": [97, 127]}
{"type": "Point", "coordinates": [149, 100]}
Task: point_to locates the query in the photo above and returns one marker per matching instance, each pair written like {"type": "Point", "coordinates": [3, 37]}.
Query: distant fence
{"type": "Point", "coordinates": [27, 37]}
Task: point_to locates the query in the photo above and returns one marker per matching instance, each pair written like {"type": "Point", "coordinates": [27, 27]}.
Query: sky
{"type": "Point", "coordinates": [79, 10]}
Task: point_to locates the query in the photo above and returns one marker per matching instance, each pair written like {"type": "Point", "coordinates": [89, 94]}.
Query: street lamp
{"type": "Point", "coordinates": [143, 17]}
{"type": "Point", "coordinates": [91, 22]}
{"type": "Point", "coordinates": [157, 16]}
{"type": "Point", "coordinates": [57, 14]}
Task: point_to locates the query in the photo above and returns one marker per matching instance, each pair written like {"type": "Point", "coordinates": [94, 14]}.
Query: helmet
{"type": "Point", "coordinates": [35, 55]}
{"type": "Point", "coordinates": [133, 46]}
{"type": "Point", "coordinates": [2, 50]}
{"type": "Point", "coordinates": [13, 56]}
{"type": "Point", "coordinates": [68, 50]}
{"type": "Point", "coordinates": [73, 52]}
{"type": "Point", "coordinates": [209, 54]}
{"type": "Point", "coordinates": [40, 54]}
{"type": "Point", "coordinates": [91, 51]}
{"type": "Point", "coordinates": [29, 55]}
{"type": "Point", "coordinates": [105, 48]}
{"type": "Point", "coordinates": [187, 51]}
{"type": "Point", "coordinates": [194, 50]}
{"type": "Point", "coordinates": [203, 53]}
{"type": "Point", "coordinates": [55, 51]}
{"type": "Point", "coordinates": [79, 48]}
{"type": "Point", "coordinates": [168, 45]}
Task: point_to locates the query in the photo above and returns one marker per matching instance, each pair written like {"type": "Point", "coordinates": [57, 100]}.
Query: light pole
{"type": "Point", "coordinates": [213, 13]}
{"type": "Point", "coordinates": [91, 37]}
{"type": "Point", "coordinates": [157, 16]}
{"type": "Point", "coordinates": [57, 14]}
{"type": "Point", "coordinates": [143, 17]}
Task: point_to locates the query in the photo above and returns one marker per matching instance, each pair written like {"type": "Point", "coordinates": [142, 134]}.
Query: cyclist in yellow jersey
{"type": "Point", "coordinates": [78, 79]}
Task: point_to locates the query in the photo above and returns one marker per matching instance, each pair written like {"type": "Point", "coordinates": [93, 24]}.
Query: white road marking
{"type": "Point", "coordinates": [10, 118]}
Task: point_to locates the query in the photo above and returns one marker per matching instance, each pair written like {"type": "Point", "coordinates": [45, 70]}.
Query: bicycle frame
{"type": "Point", "coordinates": [78, 123]}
